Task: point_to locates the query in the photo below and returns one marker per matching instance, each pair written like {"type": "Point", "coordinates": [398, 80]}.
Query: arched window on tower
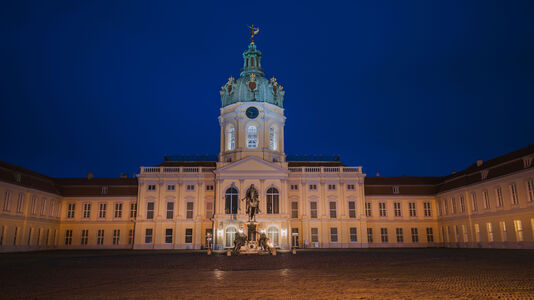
{"type": "Point", "coordinates": [230, 205]}
{"type": "Point", "coordinates": [252, 61]}
{"type": "Point", "coordinates": [252, 137]}
{"type": "Point", "coordinates": [272, 139]}
{"type": "Point", "coordinates": [230, 138]}
{"type": "Point", "coordinates": [272, 201]}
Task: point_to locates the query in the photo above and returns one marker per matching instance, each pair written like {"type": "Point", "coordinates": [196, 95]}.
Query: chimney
{"type": "Point", "coordinates": [453, 172]}
{"type": "Point", "coordinates": [90, 175]}
{"type": "Point", "coordinates": [377, 174]}
{"type": "Point", "coordinates": [479, 162]}
{"type": "Point", "coordinates": [124, 175]}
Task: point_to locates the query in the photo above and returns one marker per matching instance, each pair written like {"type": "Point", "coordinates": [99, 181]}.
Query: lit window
{"type": "Point", "coordinates": [272, 139]}
{"type": "Point", "coordinates": [489, 228]}
{"type": "Point", "coordinates": [272, 234]}
{"type": "Point", "coordinates": [230, 236]}
{"type": "Point", "coordinates": [294, 210]}
{"type": "Point", "coordinates": [252, 137]}
{"type": "Point", "coordinates": [477, 233]}
{"type": "Point", "coordinates": [518, 230]}
{"type": "Point", "coordinates": [504, 234]}
{"type": "Point", "coordinates": [230, 138]}
{"type": "Point", "coordinates": [272, 201]}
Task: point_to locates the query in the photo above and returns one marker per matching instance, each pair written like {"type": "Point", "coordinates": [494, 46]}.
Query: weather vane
{"type": "Point", "coordinates": [253, 32]}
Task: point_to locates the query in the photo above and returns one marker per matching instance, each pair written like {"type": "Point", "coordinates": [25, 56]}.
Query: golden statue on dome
{"type": "Point", "coordinates": [253, 32]}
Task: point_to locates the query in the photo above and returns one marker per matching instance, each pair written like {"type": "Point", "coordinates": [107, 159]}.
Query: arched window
{"type": "Point", "coordinates": [272, 234]}
{"type": "Point", "coordinates": [230, 206]}
{"type": "Point", "coordinates": [272, 201]}
{"type": "Point", "coordinates": [230, 236]}
{"type": "Point", "coordinates": [230, 138]}
{"type": "Point", "coordinates": [252, 137]}
{"type": "Point", "coordinates": [252, 61]}
{"type": "Point", "coordinates": [272, 139]}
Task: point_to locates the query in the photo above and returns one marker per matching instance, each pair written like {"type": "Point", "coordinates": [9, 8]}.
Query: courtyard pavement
{"type": "Point", "coordinates": [334, 274]}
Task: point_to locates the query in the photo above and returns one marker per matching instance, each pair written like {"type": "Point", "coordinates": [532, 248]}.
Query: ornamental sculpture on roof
{"type": "Point", "coordinates": [253, 32]}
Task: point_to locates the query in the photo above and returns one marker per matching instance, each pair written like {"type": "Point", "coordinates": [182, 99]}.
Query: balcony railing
{"type": "Point", "coordinates": [175, 170]}
{"type": "Point", "coordinates": [325, 169]}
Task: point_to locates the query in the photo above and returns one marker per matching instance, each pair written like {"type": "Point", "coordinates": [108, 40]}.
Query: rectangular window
{"type": "Point", "coordinates": [477, 233]}
{"type": "Point", "coordinates": [411, 208]}
{"type": "Point", "coordinates": [130, 236]}
{"type": "Point", "coordinates": [368, 209]}
{"type": "Point", "coordinates": [209, 187]}
{"type": "Point", "coordinates": [190, 187]}
{"type": "Point", "coordinates": [352, 209]}
{"type": "Point", "coordinates": [485, 195]}
{"type": "Point", "coordinates": [350, 187]}
{"type": "Point", "coordinates": [429, 235]}
{"type": "Point", "coordinates": [85, 236]}
{"type": "Point", "coordinates": [70, 210]}
{"type": "Point", "coordinates": [15, 236]}
{"type": "Point", "coordinates": [171, 187]}
{"type": "Point", "coordinates": [504, 234]}
{"type": "Point", "coordinates": [331, 187]}
{"type": "Point", "coordinates": [100, 237]}
{"type": "Point", "coordinates": [313, 210]}
{"type": "Point", "coordinates": [209, 209]}
{"type": "Point", "coordinates": [30, 236]}
{"type": "Point", "coordinates": [118, 210]}
{"type": "Point", "coordinates": [400, 235]}
{"type": "Point", "coordinates": [168, 236]}
{"type": "Point", "coordinates": [513, 192]}
{"type": "Point", "coordinates": [2, 235]}
{"type": "Point", "coordinates": [333, 213]}
{"type": "Point", "coordinates": [150, 210]}
{"type": "Point", "coordinates": [87, 210]}
{"type": "Point", "coordinates": [353, 232]}
{"type": "Point", "coordinates": [102, 210]}
{"type": "Point", "coordinates": [397, 208]}
{"type": "Point", "coordinates": [369, 235]}
{"type": "Point", "coordinates": [474, 203]}
{"type": "Point", "coordinates": [148, 236]}
{"type": "Point", "coordinates": [20, 203]}
{"type": "Point", "coordinates": [462, 204]}
{"type": "Point", "coordinates": [189, 235]}
{"type": "Point", "coordinates": [68, 237]}
{"type": "Point", "coordinates": [313, 187]}
{"type": "Point", "coordinates": [33, 205]}
{"type": "Point", "coordinates": [315, 235]}
{"type": "Point", "coordinates": [382, 209]}
{"type": "Point", "coordinates": [333, 235]}
{"type": "Point", "coordinates": [530, 191]}
{"type": "Point", "coordinates": [38, 236]}
{"type": "Point", "coordinates": [428, 208]}
{"type": "Point", "coordinates": [189, 212]}
{"type": "Point", "coordinates": [489, 228]}
{"type": "Point", "coordinates": [133, 210]}
{"type": "Point", "coordinates": [170, 210]}
{"type": "Point", "coordinates": [52, 204]}
{"type": "Point", "coordinates": [7, 201]}
{"type": "Point", "coordinates": [294, 210]}
{"type": "Point", "coordinates": [294, 187]}
{"type": "Point", "coordinates": [151, 187]}
{"type": "Point", "coordinates": [445, 207]}
{"type": "Point", "coordinates": [500, 201]}
{"type": "Point", "coordinates": [104, 190]}
{"type": "Point", "coordinates": [466, 238]}
{"type": "Point", "coordinates": [384, 235]}
{"type": "Point", "coordinates": [116, 236]}
{"type": "Point", "coordinates": [518, 230]}
{"type": "Point", "coordinates": [415, 235]}
{"type": "Point", "coordinates": [453, 202]}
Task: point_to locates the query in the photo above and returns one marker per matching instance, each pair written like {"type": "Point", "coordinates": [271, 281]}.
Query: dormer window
{"type": "Point", "coordinates": [252, 137]}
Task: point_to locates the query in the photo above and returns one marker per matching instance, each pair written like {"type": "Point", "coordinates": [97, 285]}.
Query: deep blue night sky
{"type": "Point", "coordinates": [398, 87]}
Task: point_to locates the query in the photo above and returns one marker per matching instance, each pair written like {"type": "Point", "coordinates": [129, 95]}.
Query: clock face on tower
{"type": "Point", "coordinates": [252, 112]}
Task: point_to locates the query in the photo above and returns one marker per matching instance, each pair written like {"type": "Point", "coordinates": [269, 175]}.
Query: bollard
{"type": "Point", "coordinates": [294, 251]}
{"type": "Point", "coordinates": [274, 251]}
{"type": "Point", "coordinates": [209, 251]}
{"type": "Point", "coordinates": [228, 252]}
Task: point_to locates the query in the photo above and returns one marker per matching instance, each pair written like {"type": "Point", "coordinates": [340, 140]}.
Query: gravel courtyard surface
{"type": "Point", "coordinates": [338, 274]}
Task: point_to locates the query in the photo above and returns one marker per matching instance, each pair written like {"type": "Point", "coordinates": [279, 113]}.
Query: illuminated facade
{"type": "Point", "coordinates": [304, 201]}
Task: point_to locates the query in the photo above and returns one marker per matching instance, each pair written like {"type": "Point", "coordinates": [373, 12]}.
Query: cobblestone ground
{"type": "Point", "coordinates": [337, 274]}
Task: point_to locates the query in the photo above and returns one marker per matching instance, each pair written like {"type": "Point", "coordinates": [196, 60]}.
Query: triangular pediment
{"type": "Point", "coordinates": [252, 164]}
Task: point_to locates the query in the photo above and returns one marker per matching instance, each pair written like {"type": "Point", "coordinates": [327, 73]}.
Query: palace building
{"type": "Point", "coordinates": [313, 201]}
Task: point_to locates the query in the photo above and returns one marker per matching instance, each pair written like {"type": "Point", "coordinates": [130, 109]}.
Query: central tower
{"type": "Point", "coordinates": [252, 114]}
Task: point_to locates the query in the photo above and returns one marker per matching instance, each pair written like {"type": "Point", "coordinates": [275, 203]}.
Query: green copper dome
{"type": "Point", "coordinates": [252, 84]}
